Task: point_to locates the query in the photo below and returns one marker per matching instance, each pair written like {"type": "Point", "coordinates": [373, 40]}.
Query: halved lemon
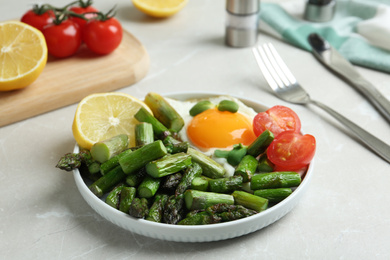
{"type": "Point", "coordinates": [103, 115]}
{"type": "Point", "coordinates": [23, 55]}
{"type": "Point", "coordinates": [160, 8]}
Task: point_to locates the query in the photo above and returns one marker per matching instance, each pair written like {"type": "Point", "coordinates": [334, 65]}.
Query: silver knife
{"type": "Point", "coordinates": [333, 60]}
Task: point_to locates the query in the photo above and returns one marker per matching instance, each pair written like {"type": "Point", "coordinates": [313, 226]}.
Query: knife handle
{"type": "Point", "coordinates": [373, 95]}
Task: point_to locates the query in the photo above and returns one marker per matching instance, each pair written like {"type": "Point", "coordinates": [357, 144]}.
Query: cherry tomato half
{"type": "Point", "coordinates": [62, 40]}
{"type": "Point", "coordinates": [277, 119]}
{"type": "Point", "coordinates": [82, 10]}
{"type": "Point", "coordinates": [102, 37]}
{"type": "Point", "coordinates": [292, 151]}
{"type": "Point", "coordinates": [38, 20]}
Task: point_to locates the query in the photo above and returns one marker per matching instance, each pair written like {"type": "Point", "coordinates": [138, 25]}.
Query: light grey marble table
{"type": "Point", "coordinates": [345, 213]}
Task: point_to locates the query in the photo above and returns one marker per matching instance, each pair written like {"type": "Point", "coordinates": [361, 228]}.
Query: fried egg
{"type": "Point", "coordinates": [214, 129]}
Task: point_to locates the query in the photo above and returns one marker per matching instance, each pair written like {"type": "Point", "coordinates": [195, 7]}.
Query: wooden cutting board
{"type": "Point", "coordinates": [67, 81]}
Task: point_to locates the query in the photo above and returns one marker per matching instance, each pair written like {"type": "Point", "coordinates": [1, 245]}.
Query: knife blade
{"type": "Point", "coordinates": [334, 61]}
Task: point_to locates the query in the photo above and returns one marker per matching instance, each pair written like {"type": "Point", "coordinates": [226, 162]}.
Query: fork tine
{"type": "Point", "coordinates": [268, 72]}
{"type": "Point", "coordinates": [281, 65]}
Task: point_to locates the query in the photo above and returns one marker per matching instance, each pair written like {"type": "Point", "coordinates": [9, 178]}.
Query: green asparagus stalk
{"type": "Point", "coordinates": [148, 187]}
{"type": "Point", "coordinates": [168, 165]}
{"type": "Point", "coordinates": [69, 162]}
{"type": "Point", "coordinates": [275, 180]}
{"type": "Point", "coordinates": [144, 115]}
{"type": "Point", "coordinates": [250, 201]}
{"type": "Point", "coordinates": [113, 162]}
{"type": "Point", "coordinates": [274, 195]}
{"type": "Point", "coordinates": [143, 133]}
{"type": "Point", "coordinates": [94, 168]}
{"type": "Point", "coordinates": [107, 182]}
{"type": "Point", "coordinates": [265, 165]}
{"type": "Point", "coordinates": [261, 143]}
{"type": "Point", "coordinates": [157, 208]}
{"type": "Point", "coordinates": [200, 183]}
{"type": "Point", "coordinates": [170, 182]}
{"type": "Point", "coordinates": [246, 168]}
{"type": "Point", "coordinates": [134, 179]}
{"type": "Point", "coordinates": [175, 146]}
{"type": "Point", "coordinates": [105, 150]}
{"type": "Point", "coordinates": [200, 218]}
{"type": "Point", "coordinates": [190, 173]}
{"type": "Point", "coordinates": [134, 161]}
{"type": "Point", "coordinates": [228, 212]}
{"type": "Point", "coordinates": [164, 112]}
{"type": "Point", "coordinates": [209, 167]}
{"type": "Point", "coordinates": [225, 185]}
{"type": "Point", "coordinates": [195, 199]}
{"type": "Point", "coordinates": [126, 198]}
{"type": "Point", "coordinates": [174, 209]}
{"type": "Point", "coordinates": [139, 208]}
{"type": "Point", "coordinates": [113, 197]}
{"type": "Point", "coordinates": [233, 156]}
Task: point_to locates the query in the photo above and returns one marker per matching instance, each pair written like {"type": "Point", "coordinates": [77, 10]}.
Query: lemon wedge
{"type": "Point", "coordinates": [160, 8]}
{"type": "Point", "coordinates": [23, 55]}
{"type": "Point", "coordinates": [101, 116]}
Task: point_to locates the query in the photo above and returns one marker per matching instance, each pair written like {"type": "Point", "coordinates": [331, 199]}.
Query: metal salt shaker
{"type": "Point", "coordinates": [319, 10]}
{"type": "Point", "coordinates": [242, 22]}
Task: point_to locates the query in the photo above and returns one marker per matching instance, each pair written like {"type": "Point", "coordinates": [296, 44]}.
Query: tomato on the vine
{"type": "Point", "coordinates": [38, 17]}
{"type": "Point", "coordinates": [291, 151]}
{"type": "Point", "coordinates": [277, 119]}
{"type": "Point", "coordinates": [86, 10]}
{"type": "Point", "coordinates": [102, 36]}
{"type": "Point", "coordinates": [63, 39]}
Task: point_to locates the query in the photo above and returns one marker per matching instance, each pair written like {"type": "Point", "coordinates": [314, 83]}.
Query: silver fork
{"type": "Point", "coordinates": [286, 87]}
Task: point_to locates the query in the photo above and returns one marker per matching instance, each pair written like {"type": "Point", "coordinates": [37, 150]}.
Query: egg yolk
{"type": "Point", "coordinates": [220, 129]}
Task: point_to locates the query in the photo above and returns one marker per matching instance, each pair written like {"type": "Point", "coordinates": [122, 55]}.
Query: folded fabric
{"type": "Point", "coordinates": [359, 30]}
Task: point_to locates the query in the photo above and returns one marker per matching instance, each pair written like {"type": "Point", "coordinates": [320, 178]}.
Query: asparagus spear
{"type": "Point", "coordinates": [134, 161]}
{"type": "Point", "coordinates": [139, 208]}
{"type": "Point", "coordinates": [175, 146]}
{"type": "Point", "coordinates": [209, 167]}
{"type": "Point", "coordinates": [112, 198]}
{"type": "Point", "coordinates": [274, 195]}
{"type": "Point", "coordinates": [190, 173]}
{"type": "Point", "coordinates": [246, 168]}
{"type": "Point", "coordinates": [170, 182]}
{"type": "Point", "coordinates": [275, 180]}
{"type": "Point", "coordinates": [157, 208]}
{"type": "Point", "coordinates": [233, 156]}
{"type": "Point", "coordinates": [168, 165]}
{"type": "Point", "coordinates": [105, 150]}
{"type": "Point", "coordinates": [126, 198]}
{"type": "Point", "coordinates": [108, 181]}
{"type": "Point", "coordinates": [225, 185]}
{"type": "Point", "coordinates": [261, 143]}
{"type": "Point", "coordinates": [195, 199]}
{"type": "Point", "coordinates": [265, 165]}
{"type": "Point", "coordinates": [227, 212]}
{"type": "Point", "coordinates": [200, 183]}
{"type": "Point", "coordinates": [113, 162]}
{"type": "Point", "coordinates": [174, 209]}
{"type": "Point", "coordinates": [250, 201]}
{"type": "Point", "coordinates": [143, 133]}
{"type": "Point", "coordinates": [148, 187]}
{"type": "Point", "coordinates": [71, 161]}
{"type": "Point", "coordinates": [134, 179]}
{"type": "Point", "coordinates": [164, 112]}
{"type": "Point", "coordinates": [200, 218]}
{"type": "Point", "coordinates": [143, 115]}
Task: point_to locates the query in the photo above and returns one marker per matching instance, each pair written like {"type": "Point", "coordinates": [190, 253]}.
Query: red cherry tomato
{"type": "Point", "coordinates": [82, 10]}
{"type": "Point", "coordinates": [64, 39]}
{"type": "Point", "coordinates": [277, 119]}
{"type": "Point", "coordinates": [37, 20]}
{"type": "Point", "coordinates": [290, 150]}
{"type": "Point", "coordinates": [102, 36]}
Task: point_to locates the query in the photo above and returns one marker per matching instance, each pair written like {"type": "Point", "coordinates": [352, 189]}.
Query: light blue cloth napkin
{"type": "Point", "coordinates": [359, 30]}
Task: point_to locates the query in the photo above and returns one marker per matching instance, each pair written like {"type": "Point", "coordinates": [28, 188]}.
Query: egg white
{"type": "Point", "coordinates": [183, 108]}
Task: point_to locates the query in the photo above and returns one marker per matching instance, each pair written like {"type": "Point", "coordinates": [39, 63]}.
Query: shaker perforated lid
{"type": "Point", "coordinates": [242, 7]}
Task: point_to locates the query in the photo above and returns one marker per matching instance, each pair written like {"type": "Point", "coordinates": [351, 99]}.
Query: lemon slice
{"type": "Point", "coordinates": [103, 115]}
{"type": "Point", "coordinates": [23, 55]}
{"type": "Point", "coordinates": [159, 8]}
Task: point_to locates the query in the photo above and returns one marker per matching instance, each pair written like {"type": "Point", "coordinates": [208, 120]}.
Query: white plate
{"type": "Point", "coordinates": [203, 233]}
